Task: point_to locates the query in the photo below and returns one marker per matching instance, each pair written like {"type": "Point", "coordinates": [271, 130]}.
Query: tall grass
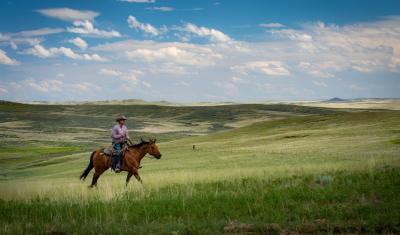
{"type": "Point", "coordinates": [318, 203]}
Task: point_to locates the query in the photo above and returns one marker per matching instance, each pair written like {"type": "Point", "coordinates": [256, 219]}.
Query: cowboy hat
{"type": "Point", "coordinates": [122, 117]}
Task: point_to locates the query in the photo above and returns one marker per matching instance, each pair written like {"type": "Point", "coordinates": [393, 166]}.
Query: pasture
{"type": "Point", "coordinates": [257, 169]}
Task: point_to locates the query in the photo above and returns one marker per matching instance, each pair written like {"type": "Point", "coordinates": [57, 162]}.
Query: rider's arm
{"type": "Point", "coordinates": [115, 133]}
{"type": "Point", "coordinates": [127, 134]}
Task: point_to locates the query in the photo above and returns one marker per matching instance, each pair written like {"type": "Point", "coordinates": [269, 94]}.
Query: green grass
{"type": "Point", "coordinates": [310, 170]}
{"type": "Point", "coordinates": [347, 202]}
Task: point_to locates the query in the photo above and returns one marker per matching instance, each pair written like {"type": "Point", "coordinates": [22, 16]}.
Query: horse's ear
{"type": "Point", "coordinates": [155, 140]}
{"type": "Point", "coordinates": [141, 139]}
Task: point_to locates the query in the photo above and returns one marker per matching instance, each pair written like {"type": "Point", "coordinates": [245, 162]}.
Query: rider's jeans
{"type": "Point", "coordinates": [117, 155]}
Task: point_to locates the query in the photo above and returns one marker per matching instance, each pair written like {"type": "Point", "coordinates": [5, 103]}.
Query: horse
{"type": "Point", "coordinates": [133, 154]}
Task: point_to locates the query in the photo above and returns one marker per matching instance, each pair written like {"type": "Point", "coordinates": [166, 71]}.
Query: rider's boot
{"type": "Point", "coordinates": [117, 168]}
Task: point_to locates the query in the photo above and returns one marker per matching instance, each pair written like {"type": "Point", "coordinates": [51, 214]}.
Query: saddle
{"type": "Point", "coordinates": [107, 151]}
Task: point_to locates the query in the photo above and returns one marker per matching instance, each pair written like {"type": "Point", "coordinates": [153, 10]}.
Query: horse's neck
{"type": "Point", "coordinates": [142, 151]}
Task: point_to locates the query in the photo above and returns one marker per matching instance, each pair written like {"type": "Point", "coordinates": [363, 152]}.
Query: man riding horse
{"type": "Point", "coordinates": [132, 154]}
{"type": "Point", "coordinates": [119, 136]}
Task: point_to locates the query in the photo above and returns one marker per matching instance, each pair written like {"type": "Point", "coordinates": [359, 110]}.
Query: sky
{"type": "Point", "coordinates": [190, 51]}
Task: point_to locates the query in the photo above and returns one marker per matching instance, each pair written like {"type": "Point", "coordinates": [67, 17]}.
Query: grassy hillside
{"type": "Point", "coordinates": [32, 134]}
{"type": "Point", "coordinates": [392, 104]}
{"type": "Point", "coordinates": [299, 169]}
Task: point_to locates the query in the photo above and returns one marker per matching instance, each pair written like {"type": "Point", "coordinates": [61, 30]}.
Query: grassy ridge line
{"type": "Point", "coordinates": [342, 202]}
{"type": "Point", "coordinates": [46, 117]}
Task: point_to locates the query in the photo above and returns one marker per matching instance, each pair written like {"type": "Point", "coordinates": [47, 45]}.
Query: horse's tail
{"type": "Point", "coordinates": [88, 168]}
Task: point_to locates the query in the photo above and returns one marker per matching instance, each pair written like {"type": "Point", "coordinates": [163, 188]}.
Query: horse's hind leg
{"type": "Point", "coordinates": [128, 177]}
{"type": "Point", "coordinates": [94, 179]}
{"type": "Point", "coordinates": [96, 176]}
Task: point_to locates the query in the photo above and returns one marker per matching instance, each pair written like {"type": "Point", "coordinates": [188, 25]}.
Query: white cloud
{"type": "Point", "coordinates": [13, 40]}
{"type": "Point", "coordinates": [310, 50]}
{"type": "Point", "coordinates": [38, 32]}
{"type": "Point", "coordinates": [110, 72]}
{"type": "Point", "coordinates": [315, 49]}
{"type": "Point", "coordinates": [61, 75]}
{"type": "Point", "coordinates": [229, 88]}
{"type": "Point", "coordinates": [292, 34]}
{"type": "Point", "coordinates": [55, 86]}
{"type": "Point", "coordinates": [13, 45]}
{"type": "Point", "coordinates": [182, 83]}
{"type": "Point", "coordinates": [68, 14]}
{"type": "Point", "coordinates": [175, 54]}
{"type": "Point", "coordinates": [320, 83]}
{"type": "Point", "coordinates": [315, 70]}
{"type": "Point", "coordinates": [270, 68]}
{"type": "Point", "coordinates": [160, 8]}
{"type": "Point", "coordinates": [356, 87]}
{"type": "Point", "coordinates": [171, 58]}
{"type": "Point", "coordinates": [3, 90]}
{"type": "Point", "coordinates": [129, 79]}
{"type": "Point", "coordinates": [42, 52]}
{"type": "Point", "coordinates": [238, 80]}
{"type": "Point", "coordinates": [364, 66]}
{"type": "Point", "coordinates": [79, 42]}
{"type": "Point", "coordinates": [146, 84]}
{"type": "Point", "coordinates": [86, 28]}
{"type": "Point", "coordinates": [272, 25]}
{"type": "Point", "coordinates": [4, 59]}
{"type": "Point", "coordinates": [212, 34]}
{"type": "Point", "coordinates": [44, 86]}
{"type": "Point", "coordinates": [362, 47]}
{"type": "Point", "coordinates": [138, 1]}
{"type": "Point", "coordinates": [93, 57]}
{"type": "Point", "coordinates": [83, 86]}
{"type": "Point", "coordinates": [148, 28]}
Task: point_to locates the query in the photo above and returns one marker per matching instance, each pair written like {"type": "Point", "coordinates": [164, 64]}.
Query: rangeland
{"type": "Point", "coordinates": [257, 168]}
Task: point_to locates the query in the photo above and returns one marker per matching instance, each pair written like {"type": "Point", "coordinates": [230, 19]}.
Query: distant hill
{"type": "Point", "coordinates": [7, 102]}
{"type": "Point", "coordinates": [335, 99]}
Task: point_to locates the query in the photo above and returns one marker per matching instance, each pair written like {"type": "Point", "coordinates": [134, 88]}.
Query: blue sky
{"type": "Point", "coordinates": [186, 51]}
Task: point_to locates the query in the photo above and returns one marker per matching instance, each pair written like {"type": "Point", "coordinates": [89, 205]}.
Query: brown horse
{"type": "Point", "coordinates": [130, 163]}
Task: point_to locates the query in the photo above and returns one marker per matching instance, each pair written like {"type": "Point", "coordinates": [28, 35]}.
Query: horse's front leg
{"type": "Point", "coordinates": [136, 174]}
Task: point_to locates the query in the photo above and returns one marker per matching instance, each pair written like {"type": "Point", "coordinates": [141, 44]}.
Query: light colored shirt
{"type": "Point", "coordinates": [119, 134]}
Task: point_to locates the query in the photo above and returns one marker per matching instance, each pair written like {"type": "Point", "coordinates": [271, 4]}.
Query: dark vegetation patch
{"type": "Point", "coordinates": [295, 136]}
{"type": "Point", "coordinates": [395, 141]}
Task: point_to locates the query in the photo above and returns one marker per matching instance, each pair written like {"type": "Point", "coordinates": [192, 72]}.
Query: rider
{"type": "Point", "coordinates": [119, 135]}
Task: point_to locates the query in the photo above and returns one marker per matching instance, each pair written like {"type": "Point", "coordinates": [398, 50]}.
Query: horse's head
{"type": "Point", "coordinates": [153, 149]}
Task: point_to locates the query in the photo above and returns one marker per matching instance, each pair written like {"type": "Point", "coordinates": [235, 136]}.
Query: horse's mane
{"type": "Point", "coordinates": [142, 142]}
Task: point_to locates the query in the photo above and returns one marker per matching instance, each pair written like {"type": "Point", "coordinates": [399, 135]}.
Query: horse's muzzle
{"type": "Point", "coordinates": [158, 156]}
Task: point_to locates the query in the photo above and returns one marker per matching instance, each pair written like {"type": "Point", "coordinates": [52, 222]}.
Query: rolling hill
{"type": "Point", "coordinates": [257, 168]}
